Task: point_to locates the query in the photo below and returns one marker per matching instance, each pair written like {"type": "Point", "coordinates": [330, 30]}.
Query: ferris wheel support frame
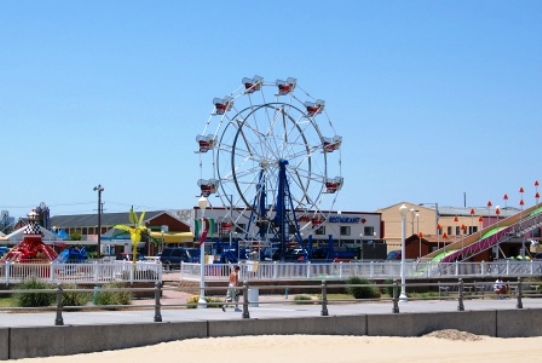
{"type": "Point", "coordinates": [281, 217]}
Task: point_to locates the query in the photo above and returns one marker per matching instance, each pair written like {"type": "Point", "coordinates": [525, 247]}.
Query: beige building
{"type": "Point", "coordinates": [454, 222]}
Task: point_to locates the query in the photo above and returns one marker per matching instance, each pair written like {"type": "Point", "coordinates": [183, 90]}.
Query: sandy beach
{"type": "Point", "coordinates": [443, 346]}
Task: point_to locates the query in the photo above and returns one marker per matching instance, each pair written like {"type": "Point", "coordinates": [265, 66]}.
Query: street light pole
{"type": "Point", "coordinates": [163, 228]}
{"type": "Point", "coordinates": [202, 302]}
{"type": "Point", "coordinates": [403, 211]}
{"type": "Point", "coordinates": [99, 189]}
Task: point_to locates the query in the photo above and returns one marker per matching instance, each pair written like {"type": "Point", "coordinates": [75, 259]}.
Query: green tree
{"type": "Point", "coordinates": [136, 228]}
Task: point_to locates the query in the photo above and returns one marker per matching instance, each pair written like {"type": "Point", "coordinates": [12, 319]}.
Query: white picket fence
{"type": "Point", "coordinates": [275, 271]}
{"type": "Point", "coordinates": [97, 272]}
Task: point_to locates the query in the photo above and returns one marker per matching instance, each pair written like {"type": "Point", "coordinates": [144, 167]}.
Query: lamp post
{"type": "Point", "coordinates": [403, 210]}
{"type": "Point", "coordinates": [202, 204]}
{"type": "Point", "coordinates": [99, 189]}
{"type": "Point", "coordinates": [164, 228]}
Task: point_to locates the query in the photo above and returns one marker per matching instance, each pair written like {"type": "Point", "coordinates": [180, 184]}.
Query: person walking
{"type": "Point", "coordinates": [233, 284]}
{"type": "Point", "coordinates": [500, 288]}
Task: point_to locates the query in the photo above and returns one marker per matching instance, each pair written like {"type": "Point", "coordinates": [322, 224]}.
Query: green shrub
{"type": "Point", "coordinates": [302, 299]}
{"type": "Point", "coordinates": [31, 299]}
{"type": "Point", "coordinates": [192, 302]}
{"type": "Point", "coordinates": [72, 298]}
{"type": "Point", "coordinates": [103, 297]}
{"type": "Point", "coordinates": [361, 292]}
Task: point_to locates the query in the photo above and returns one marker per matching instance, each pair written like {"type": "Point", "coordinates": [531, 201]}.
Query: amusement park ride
{"type": "Point", "coordinates": [34, 249]}
{"type": "Point", "coordinates": [270, 151]}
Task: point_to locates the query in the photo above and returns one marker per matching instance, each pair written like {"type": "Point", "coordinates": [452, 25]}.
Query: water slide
{"type": "Point", "coordinates": [490, 236]}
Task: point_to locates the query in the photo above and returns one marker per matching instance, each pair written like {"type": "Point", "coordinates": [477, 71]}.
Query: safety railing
{"type": "Point", "coordinates": [456, 290]}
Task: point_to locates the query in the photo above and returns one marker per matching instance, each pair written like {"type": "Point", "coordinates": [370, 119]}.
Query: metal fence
{"type": "Point", "coordinates": [94, 272]}
{"type": "Point", "coordinates": [456, 290]}
{"type": "Point", "coordinates": [276, 271]}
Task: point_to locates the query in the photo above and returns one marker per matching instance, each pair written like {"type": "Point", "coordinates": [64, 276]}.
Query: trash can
{"type": "Point", "coordinates": [253, 297]}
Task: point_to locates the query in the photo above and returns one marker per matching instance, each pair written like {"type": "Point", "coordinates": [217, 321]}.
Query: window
{"type": "Point", "coordinates": [449, 230]}
{"type": "Point", "coordinates": [457, 230]}
{"type": "Point", "coordinates": [473, 229]}
{"type": "Point", "coordinates": [369, 231]}
{"type": "Point", "coordinates": [320, 231]}
{"type": "Point", "coordinates": [345, 230]}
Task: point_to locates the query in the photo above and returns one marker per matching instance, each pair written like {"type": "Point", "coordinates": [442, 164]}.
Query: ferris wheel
{"type": "Point", "coordinates": [270, 151]}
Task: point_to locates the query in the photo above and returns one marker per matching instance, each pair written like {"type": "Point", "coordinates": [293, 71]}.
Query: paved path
{"type": "Point", "coordinates": [269, 307]}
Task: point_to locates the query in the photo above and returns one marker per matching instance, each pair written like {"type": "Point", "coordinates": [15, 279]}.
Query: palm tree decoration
{"type": "Point", "coordinates": [136, 229]}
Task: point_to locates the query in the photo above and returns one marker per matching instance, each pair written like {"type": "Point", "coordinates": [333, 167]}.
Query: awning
{"type": "Point", "coordinates": [173, 237]}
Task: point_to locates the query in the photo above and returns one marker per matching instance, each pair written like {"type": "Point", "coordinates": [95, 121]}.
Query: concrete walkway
{"type": "Point", "coordinates": [268, 307]}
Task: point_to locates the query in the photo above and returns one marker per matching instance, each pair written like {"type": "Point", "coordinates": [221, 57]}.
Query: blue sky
{"type": "Point", "coordinates": [433, 99]}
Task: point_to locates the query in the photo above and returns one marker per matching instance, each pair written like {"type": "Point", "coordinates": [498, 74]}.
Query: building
{"type": "Point", "coordinates": [343, 229]}
{"type": "Point", "coordinates": [423, 220]}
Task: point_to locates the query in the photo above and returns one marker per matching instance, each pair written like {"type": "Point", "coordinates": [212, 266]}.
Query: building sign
{"type": "Point", "coordinates": [337, 219]}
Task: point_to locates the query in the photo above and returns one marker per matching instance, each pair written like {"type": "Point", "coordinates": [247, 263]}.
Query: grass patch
{"type": "Point", "coordinates": [302, 300]}
{"type": "Point", "coordinates": [6, 301]}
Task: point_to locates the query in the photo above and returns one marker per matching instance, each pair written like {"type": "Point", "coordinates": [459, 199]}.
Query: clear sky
{"type": "Point", "coordinates": [433, 99]}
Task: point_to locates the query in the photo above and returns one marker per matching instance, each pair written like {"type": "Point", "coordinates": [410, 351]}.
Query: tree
{"type": "Point", "coordinates": [136, 228]}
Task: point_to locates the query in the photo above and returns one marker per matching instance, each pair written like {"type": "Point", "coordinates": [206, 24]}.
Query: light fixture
{"type": "Point", "coordinates": [403, 210]}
